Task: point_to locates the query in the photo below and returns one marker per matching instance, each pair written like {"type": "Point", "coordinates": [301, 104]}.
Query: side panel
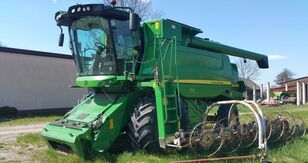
{"type": "Point", "coordinates": [114, 120]}
{"type": "Point", "coordinates": [164, 129]}
{"type": "Point", "coordinates": [201, 73]}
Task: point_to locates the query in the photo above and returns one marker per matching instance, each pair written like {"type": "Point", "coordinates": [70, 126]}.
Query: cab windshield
{"type": "Point", "coordinates": [98, 44]}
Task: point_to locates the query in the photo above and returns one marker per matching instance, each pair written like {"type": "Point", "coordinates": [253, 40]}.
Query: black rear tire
{"type": "Point", "coordinates": [223, 114]}
{"type": "Point", "coordinates": [142, 127]}
{"type": "Point", "coordinates": [184, 116]}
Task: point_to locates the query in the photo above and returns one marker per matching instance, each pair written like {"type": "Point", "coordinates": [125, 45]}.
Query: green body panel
{"type": "Point", "coordinates": [95, 81]}
{"type": "Point", "coordinates": [93, 107]}
{"type": "Point", "coordinates": [165, 128]}
{"type": "Point", "coordinates": [112, 112]}
{"type": "Point", "coordinates": [115, 118]}
{"type": "Point", "coordinates": [159, 107]}
{"type": "Point", "coordinates": [200, 80]}
{"type": "Point", "coordinates": [201, 73]}
{"type": "Point", "coordinates": [54, 135]}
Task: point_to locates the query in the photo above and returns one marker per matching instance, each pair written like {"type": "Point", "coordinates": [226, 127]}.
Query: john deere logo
{"type": "Point", "coordinates": [85, 82]}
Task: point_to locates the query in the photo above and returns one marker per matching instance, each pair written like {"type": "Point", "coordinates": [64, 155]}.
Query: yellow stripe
{"type": "Point", "coordinates": [210, 82]}
{"type": "Point", "coordinates": [111, 123]}
{"type": "Point", "coordinates": [235, 85]}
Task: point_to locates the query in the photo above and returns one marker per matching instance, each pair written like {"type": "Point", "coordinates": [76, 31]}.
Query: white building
{"type": "Point", "coordinates": [31, 80]}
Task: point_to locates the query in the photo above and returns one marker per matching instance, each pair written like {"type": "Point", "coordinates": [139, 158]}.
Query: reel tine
{"type": "Point", "coordinates": [249, 132]}
{"type": "Point", "coordinates": [277, 128]}
{"type": "Point", "coordinates": [205, 139]}
{"type": "Point", "coordinates": [300, 129]}
{"type": "Point", "coordinates": [269, 127]}
{"type": "Point", "coordinates": [195, 137]}
{"type": "Point", "coordinates": [283, 126]}
{"type": "Point", "coordinates": [195, 134]}
{"type": "Point", "coordinates": [218, 131]}
{"type": "Point", "coordinates": [291, 127]}
{"type": "Point", "coordinates": [233, 139]}
{"type": "Point", "coordinates": [272, 132]}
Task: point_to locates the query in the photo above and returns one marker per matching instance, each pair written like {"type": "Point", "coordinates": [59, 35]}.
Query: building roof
{"type": "Point", "coordinates": [249, 83]}
{"type": "Point", "coordinates": [35, 53]}
{"type": "Point", "coordinates": [298, 79]}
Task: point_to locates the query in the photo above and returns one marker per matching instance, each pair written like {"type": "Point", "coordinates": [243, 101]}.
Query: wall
{"type": "Point", "coordinates": [37, 82]}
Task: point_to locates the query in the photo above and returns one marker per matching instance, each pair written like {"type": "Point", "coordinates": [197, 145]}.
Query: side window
{"type": "Point", "coordinates": [123, 39]}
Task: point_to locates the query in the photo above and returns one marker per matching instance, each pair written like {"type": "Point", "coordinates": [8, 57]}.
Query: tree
{"type": "Point", "coordinates": [248, 69]}
{"type": "Point", "coordinates": [141, 7]}
{"type": "Point", "coordinates": [284, 75]}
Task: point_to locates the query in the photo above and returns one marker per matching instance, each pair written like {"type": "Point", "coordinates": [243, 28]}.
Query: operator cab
{"type": "Point", "coordinates": [102, 38]}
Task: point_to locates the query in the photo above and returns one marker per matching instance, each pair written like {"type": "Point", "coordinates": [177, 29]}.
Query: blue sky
{"type": "Point", "coordinates": [277, 28]}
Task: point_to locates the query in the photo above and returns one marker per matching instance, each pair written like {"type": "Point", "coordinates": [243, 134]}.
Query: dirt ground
{"type": "Point", "coordinates": [10, 150]}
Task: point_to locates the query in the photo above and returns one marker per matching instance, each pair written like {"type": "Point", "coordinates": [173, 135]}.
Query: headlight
{"type": "Point", "coordinates": [59, 14]}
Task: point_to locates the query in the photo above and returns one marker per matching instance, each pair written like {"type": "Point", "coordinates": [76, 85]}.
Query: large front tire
{"type": "Point", "coordinates": [142, 127]}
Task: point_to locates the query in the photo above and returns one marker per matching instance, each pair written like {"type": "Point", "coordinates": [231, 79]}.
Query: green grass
{"type": "Point", "coordinates": [294, 151]}
{"type": "Point", "coordinates": [2, 145]}
{"type": "Point", "coordinates": [291, 151]}
{"type": "Point", "coordinates": [50, 155]}
{"type": "Point", "coordinates": [28, 120]}
{"type": "Point", "coordinates": [33, 139]}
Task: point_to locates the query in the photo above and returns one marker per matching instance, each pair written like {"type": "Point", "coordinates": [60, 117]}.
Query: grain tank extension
{"type": "Point", "coordinates": [150, 84]}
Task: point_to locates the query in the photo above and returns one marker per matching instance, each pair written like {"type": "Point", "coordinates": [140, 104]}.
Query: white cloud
{"type": "Point", "coordinates": [276, 57]}
{"type": "Point", "coordinates": [54, 1]}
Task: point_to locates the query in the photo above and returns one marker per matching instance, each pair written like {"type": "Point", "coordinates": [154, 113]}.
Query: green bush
{"type": "Point", "coordinates": [7, 111]}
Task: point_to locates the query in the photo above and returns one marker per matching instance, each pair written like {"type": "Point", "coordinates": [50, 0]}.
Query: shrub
{"type": "Point", "coordinates": [7, 111]}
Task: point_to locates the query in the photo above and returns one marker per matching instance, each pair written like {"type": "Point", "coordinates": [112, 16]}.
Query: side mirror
{"type": "Point", "coordinates": [61, 39]}
{"type": "Point", "coordinates": [134, 22]}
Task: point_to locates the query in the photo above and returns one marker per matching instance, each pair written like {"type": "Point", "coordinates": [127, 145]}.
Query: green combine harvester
{"type": "Point", "coordinates": [152, 85]}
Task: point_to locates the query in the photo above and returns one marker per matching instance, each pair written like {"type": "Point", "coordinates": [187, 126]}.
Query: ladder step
{"type": "Point", "coordinates": [172, 121]}
{"type": "Point", "coordinates": [171, 95]}
{"type": "Point", "coordinates": [173, 108]}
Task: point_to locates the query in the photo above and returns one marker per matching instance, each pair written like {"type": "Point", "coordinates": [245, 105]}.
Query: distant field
{"type": "Point", "coordinates": [292, 151]}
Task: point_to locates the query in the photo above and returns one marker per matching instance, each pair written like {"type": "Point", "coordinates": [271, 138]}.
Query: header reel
{"type": "Point", "coordinates": [251, 127]}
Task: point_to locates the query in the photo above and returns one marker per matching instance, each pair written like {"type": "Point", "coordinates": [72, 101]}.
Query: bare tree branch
{"type": "Point", "coordinates": [141, 7]}
{"type": "Point", "coordinates": [284, 75]}
{"type": "Point", "coordinates": [248, 70]}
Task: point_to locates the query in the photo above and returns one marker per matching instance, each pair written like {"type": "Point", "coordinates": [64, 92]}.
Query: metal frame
{"type": "Point", "coordinates": [257, 113]}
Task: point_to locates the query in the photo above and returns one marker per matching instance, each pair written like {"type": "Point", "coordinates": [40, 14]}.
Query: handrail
{"type": "Point", "coordinates": [171, 49]}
